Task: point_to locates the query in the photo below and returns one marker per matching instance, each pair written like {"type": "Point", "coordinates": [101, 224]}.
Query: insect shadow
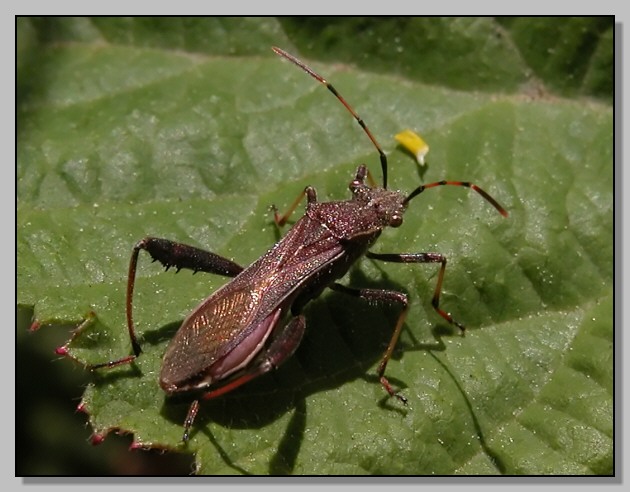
{"type": "Point", "coordinates": [343, 342]}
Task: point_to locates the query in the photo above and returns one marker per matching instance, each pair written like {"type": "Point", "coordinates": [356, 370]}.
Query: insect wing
{"type": "Point", "coordinates": [230, 328]}
{"type": "Point", "coordinates": [213, 330]}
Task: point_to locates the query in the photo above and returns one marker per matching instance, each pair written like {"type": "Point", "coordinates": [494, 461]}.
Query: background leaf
{"type": "Point", "coordinates": [191, 128]}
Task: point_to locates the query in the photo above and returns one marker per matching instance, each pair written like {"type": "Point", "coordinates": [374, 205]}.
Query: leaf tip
{"type": "Point", "coordinates": [63, 350]}
{"type": "Point", "coordinates": [136, 445]}
{"type": "Point", "coordinates": [97, 438]}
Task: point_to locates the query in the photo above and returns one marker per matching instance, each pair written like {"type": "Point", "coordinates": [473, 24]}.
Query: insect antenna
{"type": "Point", "coordinates": [466, 184]}
{"type": "Point", "coordinates": [321, 79]}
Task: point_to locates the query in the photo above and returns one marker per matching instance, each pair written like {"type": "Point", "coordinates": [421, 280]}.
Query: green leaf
{"type": "Point", "coordinates": [191, 129]}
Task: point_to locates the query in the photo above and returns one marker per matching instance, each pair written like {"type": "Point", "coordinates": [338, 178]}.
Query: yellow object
{"type": "Point", "coordinates": [414, 144]}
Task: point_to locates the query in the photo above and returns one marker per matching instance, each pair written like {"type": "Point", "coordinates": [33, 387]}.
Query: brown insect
{"type": "Point", "coordinates": [240, 332]}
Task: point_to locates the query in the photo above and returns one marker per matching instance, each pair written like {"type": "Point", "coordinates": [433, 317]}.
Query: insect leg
{"type": "Point", "coordinates": [173, 254]}
{"type": "Point", "coordinates": [423, 258]}
{"type": "Point", "coordinates": [311, 197]}
{"type": "Point", "coordinates": [390, 297]}
{"type": "Point", "coordinates": [190, 418]}
{"type": "Point", "coordinates": [169, 254]}
{"type": "Point", "coordinates": [280, 349]}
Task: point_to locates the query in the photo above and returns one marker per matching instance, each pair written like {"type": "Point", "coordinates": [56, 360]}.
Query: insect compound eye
{"type": "Point", "coordinates": [396, 220]}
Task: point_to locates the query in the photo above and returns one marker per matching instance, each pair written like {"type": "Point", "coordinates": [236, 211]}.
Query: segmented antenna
{"type": "Point", "coordinates": [465, 184]}
{"type": "Point", "coordinates": [321, 79]}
